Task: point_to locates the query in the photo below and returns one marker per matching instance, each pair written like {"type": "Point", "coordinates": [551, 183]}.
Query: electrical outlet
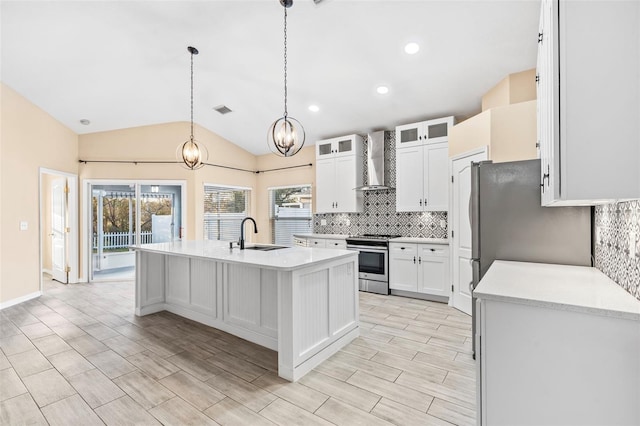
{"type": "Point", "coordinates": [598, 235]}
{"type": "Point", "coordinates": [347, 222]}
{"type": "Point", "coordinates": [24, 225]}
{"type": "Point", "coordinates": [323, 222]}
{"type": "Point", "coordinates": [443, 223]}
{"type": "Point", "coordinates": [632, 244]}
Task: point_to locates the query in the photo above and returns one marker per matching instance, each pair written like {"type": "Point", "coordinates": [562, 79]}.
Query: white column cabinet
{"type": "Point", "coordinates": [338, 171]}
{"type": "Point", "coordinates": [419, 268]}
{"type": "Point", "coordinates": [422, 178]}
{"type": "Point", "coordinates": [588, 110]}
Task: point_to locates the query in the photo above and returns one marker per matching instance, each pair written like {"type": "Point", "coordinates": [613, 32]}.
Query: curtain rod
{"type": "Point", "coordinates": [135, 162]}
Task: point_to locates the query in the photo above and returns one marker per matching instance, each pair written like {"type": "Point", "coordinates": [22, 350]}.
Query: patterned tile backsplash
{"type": "Point", "coordinates": [616, 223]}
{"type": "Point", "coordinates": [379, 215]}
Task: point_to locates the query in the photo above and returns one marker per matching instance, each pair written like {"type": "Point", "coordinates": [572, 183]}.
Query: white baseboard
{"type": "Point", "coordinates": [47, 271]}
{"type": "Point", "coordinates": [20, 299]}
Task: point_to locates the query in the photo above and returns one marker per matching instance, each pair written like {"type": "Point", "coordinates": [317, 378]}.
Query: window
{"type": "Point", "coordinates": [224, 209]}
{"type": "Point", "coordinates": [290, 213]}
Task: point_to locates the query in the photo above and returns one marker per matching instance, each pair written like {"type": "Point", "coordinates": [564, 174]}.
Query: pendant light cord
{"type": "Point", "coordinates": [285, 62]}
{"type": "Point", "coordinates": [191, 96]}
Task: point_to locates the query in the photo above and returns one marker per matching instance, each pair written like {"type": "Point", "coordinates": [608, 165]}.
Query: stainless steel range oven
{"type": "Point", "coordinates": [373, 261]}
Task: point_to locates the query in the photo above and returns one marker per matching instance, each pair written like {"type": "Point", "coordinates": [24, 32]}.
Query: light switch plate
{"type": "Point", "coordinates": [323, 222]}
{"type": "Point", "coordinates": [347, 222]}
{"type": "Point", "coordinates": [443, 223]}
{"type": "Point", "coordinates": [632, 244]}
{"type": "Point", "coordinates": [24, 225]}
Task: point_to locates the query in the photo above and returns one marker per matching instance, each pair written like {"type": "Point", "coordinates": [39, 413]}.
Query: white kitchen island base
{"type": "Point", "coordinates": [300, 302]}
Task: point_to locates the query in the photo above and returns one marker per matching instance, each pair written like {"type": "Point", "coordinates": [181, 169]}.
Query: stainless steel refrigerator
{"type": "Point", "coordinates": [508, 223]}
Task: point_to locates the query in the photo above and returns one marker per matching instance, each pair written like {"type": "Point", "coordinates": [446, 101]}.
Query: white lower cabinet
{"type": "Point", "coordinates": [326, 243]}
{"type": "Point", "coordinates": [419, 268]}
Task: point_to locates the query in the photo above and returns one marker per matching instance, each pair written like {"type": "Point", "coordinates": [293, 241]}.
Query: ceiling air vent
{"type": "Point", "coordinates": [222, 109]}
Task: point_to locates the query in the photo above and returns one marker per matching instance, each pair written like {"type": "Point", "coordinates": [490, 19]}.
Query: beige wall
{"type": "Point", "coordinates": [290, 177]}
{"type": "Point", "coordinates": [31, 139]}
{"type": "Point", "coordinates": [509, 131]}
{"type": "Point", "coordinates": [514, 88]}
{"type": "Point", "coordinates": [159, 143]}
{"type": "Point", "coordinates": [470, 134]}
{"type": "Point", "coordinates": [514, 132]}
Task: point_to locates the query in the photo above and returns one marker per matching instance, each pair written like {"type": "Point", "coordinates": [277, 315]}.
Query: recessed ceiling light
{"type": "Point", "coordinates": [383, 90]}
{"type": "Point", "coordinates": [314, 108]}
{"type": "Point", "coordinates": [412, 48]}
{"type": "Point", "coordinates": [85, 122]}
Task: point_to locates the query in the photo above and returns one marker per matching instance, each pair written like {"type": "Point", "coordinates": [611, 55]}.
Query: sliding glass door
{"type": "Point", "coordinates": [129, 213]}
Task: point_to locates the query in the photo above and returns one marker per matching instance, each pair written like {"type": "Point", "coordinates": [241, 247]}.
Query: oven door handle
{"type": "Point", "coordinates": [367, 248]}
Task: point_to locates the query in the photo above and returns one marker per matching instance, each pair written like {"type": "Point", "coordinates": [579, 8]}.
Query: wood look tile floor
{"type": "Point", "coordinates": [78, 355]}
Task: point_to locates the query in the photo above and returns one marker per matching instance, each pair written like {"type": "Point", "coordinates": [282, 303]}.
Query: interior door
{"type": "Point", "coordinates": [59, 230]}
{"type": "Point", "coordinates": [460, 222]}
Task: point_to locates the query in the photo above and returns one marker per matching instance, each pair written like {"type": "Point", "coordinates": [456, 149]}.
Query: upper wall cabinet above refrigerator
{"type": "Point", "coordinates": [588, 75]}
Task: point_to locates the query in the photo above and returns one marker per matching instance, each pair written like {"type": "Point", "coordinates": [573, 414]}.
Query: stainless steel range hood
{"type": "Point", "coordinates": [375, 163]}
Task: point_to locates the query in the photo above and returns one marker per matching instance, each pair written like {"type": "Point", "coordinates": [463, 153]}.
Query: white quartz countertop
{"type": "Point", "coordinates": [416, 240]}
{"type": "Point", "coordinates": [324, 236]}
{"type": "Point", "coordinates": [285, 259]}
{"type": "Point", "coordinates": [576, 288]}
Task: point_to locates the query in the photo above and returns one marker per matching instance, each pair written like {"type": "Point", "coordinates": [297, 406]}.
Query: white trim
{"type": "Point", "coordinates": [301, 185]}
{"type": "Point", "coordinates": [481, 150]}
{"type": "Point", "coordinates": [86, 209]}
{"type": "Point", "coordinates": [245, 188]}
{"type": "Point", "coordinates": [47, 271]}
{"type": "Point", "coordinates": [17, 300]}
{"type": "Point", "coordinates": [74, 232]}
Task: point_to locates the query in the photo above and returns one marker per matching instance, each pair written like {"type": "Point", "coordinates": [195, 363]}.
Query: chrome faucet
{"type": "Point", "coordinates": [255, 230]}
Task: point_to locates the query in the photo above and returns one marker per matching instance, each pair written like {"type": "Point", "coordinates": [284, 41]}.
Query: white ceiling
{"type": "Point", "coordinates": [125, 63]}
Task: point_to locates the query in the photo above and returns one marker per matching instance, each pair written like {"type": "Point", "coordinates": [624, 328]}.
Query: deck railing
{"type": "Point", "coordinates": [115, 240]}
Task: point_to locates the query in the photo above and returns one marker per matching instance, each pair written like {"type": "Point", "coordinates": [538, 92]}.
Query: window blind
{"type": "Point", "coordinates": [224, 209]}
{"type": "Point", "coordinates": [290, 211]}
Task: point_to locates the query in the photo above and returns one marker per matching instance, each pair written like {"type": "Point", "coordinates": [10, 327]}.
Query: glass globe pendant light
{"type": "Point", "coordinates": [286, 135]}
{"type": "Point", "coordinates": [190, 153]}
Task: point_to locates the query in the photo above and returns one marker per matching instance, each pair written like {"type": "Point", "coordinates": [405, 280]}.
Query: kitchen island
{"type": "Point", "coordinates": [300, 302]}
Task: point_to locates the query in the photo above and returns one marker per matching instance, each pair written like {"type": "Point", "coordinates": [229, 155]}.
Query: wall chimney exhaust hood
{"type": "Point", "coordinates": [375, 163]}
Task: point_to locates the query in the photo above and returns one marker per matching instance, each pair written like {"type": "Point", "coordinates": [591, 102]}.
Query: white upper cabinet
{"type": "Point", "coordinates": [339, 147]}
{"type": "Point", "coordinates": [432, 131]}
{"type": "Point", "coordinates": [422, 169]}
{"type": "Point", "coordinates": [588, 75]}
{"type": "Point", "coordinates": [339, 170]}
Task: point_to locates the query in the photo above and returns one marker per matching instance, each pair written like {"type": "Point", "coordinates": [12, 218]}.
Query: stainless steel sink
{"type": "Point", "coordinates": [265, 248]}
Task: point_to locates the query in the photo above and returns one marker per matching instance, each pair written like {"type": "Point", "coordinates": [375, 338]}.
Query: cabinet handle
{"type": "Point", "coordinates": [420, 137]}
{"type": "Point", "coordinates": [402, 248]}
{"type": "Point", "coordinates": [336, 204]}
{"type": "Point", "coordinates": [421, 202]}
{"type": "Point", "coordinates": [414, 259]}
{"type": "Point", "coordinates": [432, 249]}
{"type": "Point", "coordinates": [540, 37]}
{"type": "Point", "coordinates": [420, 260]}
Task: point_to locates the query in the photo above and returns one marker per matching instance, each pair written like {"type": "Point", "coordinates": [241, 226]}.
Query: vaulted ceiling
{"type": "Point", "coordinates": [122, 64]}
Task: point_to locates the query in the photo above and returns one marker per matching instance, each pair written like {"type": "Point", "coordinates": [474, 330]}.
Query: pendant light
{"type": "Point", "coordinates": [286, 134]}
{"type": "Point", "coordinates": [190, 153]}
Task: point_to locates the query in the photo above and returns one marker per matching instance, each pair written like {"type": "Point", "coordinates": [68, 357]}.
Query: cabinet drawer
{"type": "Point", "coordinates": [336, 244]}
{"type": "Point", "coordinates": [317, 243]}
{"type": "Point", "coordinates": [401, 249]}
{"type": "Point", "coordinates": [434, 251]}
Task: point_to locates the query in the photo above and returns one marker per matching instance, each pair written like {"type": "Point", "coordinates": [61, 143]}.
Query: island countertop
{"type": "Point", "coordinates": [284, 259]}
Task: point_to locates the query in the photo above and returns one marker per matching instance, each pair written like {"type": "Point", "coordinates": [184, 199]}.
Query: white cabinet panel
{"type": "Point", "coordinates": [204, 286]}
{"type": "Point", "coordinates": [242, 295]}
{"type": "Point", "coordinates": [422, 178]}
{"type": "Point", "coordinates": [317, 243]}
{"type": "Point", "coordinates": [419, 268]}
{"type": "Point", "coordinates": [312, 303]}
{"type": "Point", "coordinates": [436, 185]}
{"type": "Point", "coordinates": [178, 280]}
{"type": "Point", "coordinates": [409, 179]}
{"type": "Point", "coordinates": [343, 298]}
{"type": "Point", "coordinates": [338, 173]}
{"type": "Point", "coordinates": [588, 115]}
{"type": "Point", "coordinates": [150, 268]}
